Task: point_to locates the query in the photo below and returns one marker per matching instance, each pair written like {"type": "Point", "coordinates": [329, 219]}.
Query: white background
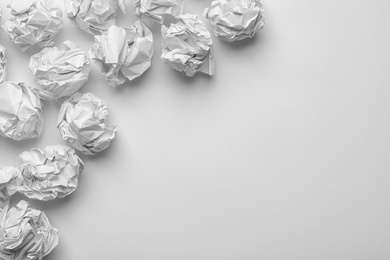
{"type": "Point", "coordinates": [283, 154]}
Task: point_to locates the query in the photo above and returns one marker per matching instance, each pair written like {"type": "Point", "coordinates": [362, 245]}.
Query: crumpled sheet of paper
{"type": "Point", "coordinates": [93, 16]}
{"type": "Point", "coordinates": [3, 64]}
{"type": "Point", "coordinates": [60, 72]}
{"type": "Point", "coordinates": [82, 122]}
{"type": "Point", "coordinates": [9, 183]}
{"type": "Point", "coordinates": [234, 20]}
{"type": "Point", "coordinates": [33, 22]}
{"type": "Point", "coordinates": [50, 173]}
{"type": "Point", "coordinates": [122, 53]}
{"type": "Point", "coordinates": [187, 46]}
{"type": "Point", "coordinates": [155, 10]}
{"type": "Point", "coordinates": [25, 233]}
{"type": "Point", "coordinates": [20, 111]}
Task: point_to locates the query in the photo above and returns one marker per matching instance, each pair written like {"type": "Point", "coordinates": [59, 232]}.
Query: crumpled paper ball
{"type": "Point", "coordinates": [82, 122]}
{"type": "Point", "coordinates": [3, 64]}
{"type": "Point", "coordinates": [234, 20]}
{"type": "Point", "coordinates": [60, 72]}
{"type": "Point", "coordinates": [25, 233]}
{"type": "Point", "coordinates": [155, 10]}
{"type": "Point", "coordinates": [9, 183]}
{"type": "Point", "coordinates": [93, 16]}
{"type": "Point", "coordinates": [50, 173]}
{"type": "Point", "coordinates": [123, 53]}
{"type": "Point", "coordinates": [33, 22]}
{"type": "Point", "coordinates": [20, 111]}
{"type": "Point", "coordinates": [187, 46]}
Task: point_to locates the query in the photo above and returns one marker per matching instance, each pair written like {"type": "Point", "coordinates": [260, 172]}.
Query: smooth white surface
{"type": "Point", "coordinates": [283, 154]}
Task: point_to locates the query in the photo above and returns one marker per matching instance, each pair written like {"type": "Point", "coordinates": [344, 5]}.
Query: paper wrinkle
{"type": "Point", "coordinates": [33, 22]}
{"type": "Point", "coordinates": [83, 123]}
{"type": "Point", "coordinates": [20, 111]}
{"type": "Point", "coordinates": [94, 16]}
{"type": "Point", "coordinates": [50, 173]}
{"type": "Point", "coordinates": [235, 20]}
{"type": "Point", "coordinates": [60, 72]}
{"type": "Point", "coordinates": [25, 233]}
{"type": "Point", "coordinates": [155, 10]}
{"type": "Point", "coordinates": [9, 183]}
{"type": "Point", "coordinates": [3, 63]}
{"type": "Point", "coordinates": [123, 53]}
{"type": "Point", "coordinates": [187, 46]}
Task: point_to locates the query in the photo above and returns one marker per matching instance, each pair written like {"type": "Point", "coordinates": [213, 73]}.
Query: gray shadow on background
{"type": "Point", "coordinates": [24, 144]}
{"type": "Point", "coordinates": [243, 44]}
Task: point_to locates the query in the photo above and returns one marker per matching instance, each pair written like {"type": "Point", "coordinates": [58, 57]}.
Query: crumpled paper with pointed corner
{"type": "Point", "coordinates": [20, 111]}
{"type": "Point", "coordinates": [123, 53]}
{"type": "Point", "coordinates": [234, 20]}
{"type": "Point", "coordinates": [25, 233]}
{"type": "Point", "coordinates": [50, 173]}
{"type": "Point", "coordinates": [60, 72]}
{"type": "Point", "coordinates": [83, 123]}
{"type": "Point", "coordinates": [187, 46]}
{"type": "Point", "coordinates": [33, 22]}
{"type": "Point", "coordinates": [155, 10]}
{"type": "Point", "coordinates": [9, 183]}
{"type": "Point", "coordinates": [3, 64]}
{"type": "Point", "coordinates": [94, 16]}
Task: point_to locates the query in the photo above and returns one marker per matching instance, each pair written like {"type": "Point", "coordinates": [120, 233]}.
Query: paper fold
{"type": "Point", "coordinates": [60, 72]}
{"type": "Point", "coordinates": [93, 16]}
{"type": "Point", "coordinates": [234, 20]}
{"type": "Point", "coordinates": [33, 22]}
{"type": "Point", "coordinates": [123, 53]}
{"type": "Point", "coordinates": [187, 46]}
{"type": "Point", "coordinates": [25, 233]}
{"type": "Point", "coordinates": [20, 112]}
{"type": "Point", "coordinates": [83, 123]}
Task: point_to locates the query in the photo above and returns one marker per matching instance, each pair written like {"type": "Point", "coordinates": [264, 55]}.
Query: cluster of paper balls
{"type": "Point", "coordinates": [120, 54]}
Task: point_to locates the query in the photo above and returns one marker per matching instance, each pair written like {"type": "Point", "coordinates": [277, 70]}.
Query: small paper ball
{"type": "Point", "coordinates": [33, 22]}
{"type": "Point", "coordinates": [50, 173]}
{"type": "Point", "coordinates": [25, 233]}
{"type": "Point", "coordinates": [234, 20]}
{"type": "Point", "coordinates": [20, 111]}
{"type": "Point", "coordinates": [187, 46]}
{"type": "Point", "coordinates": [123, 53]}
{"type": "Point", "coordinates": [60, 72]}
{"type": "Point", "coordinates": [82, 122]}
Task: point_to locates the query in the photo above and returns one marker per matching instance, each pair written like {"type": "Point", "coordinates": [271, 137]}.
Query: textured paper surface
{"type": "Point", "coordinates": [25, 233]}
{"type": "Point", "coordinates": [9, 183]}
{"type": "Point", "coordinates": [20, 111]}
{"type": "Point", "coordinates": [50, 173]}
{"type": "Point", "coordinates": [3, 64]}
{"type": "Point", "coordinates": [187, 46]}
{"type": "Point", "coordinates": [234, 20]}
{"type": "Point", "coordinates": [93, 16]}
{"type": "Point", "coordinates": [83, 123]}
{"type": "Point", "coordinates": [60, 72]}
{"type": "Point", "coordinates": [33, 22]}
{"type": "Point", "coordinates": [155, 10]}
{"type": "Point", "coordinates": [123, 53]}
